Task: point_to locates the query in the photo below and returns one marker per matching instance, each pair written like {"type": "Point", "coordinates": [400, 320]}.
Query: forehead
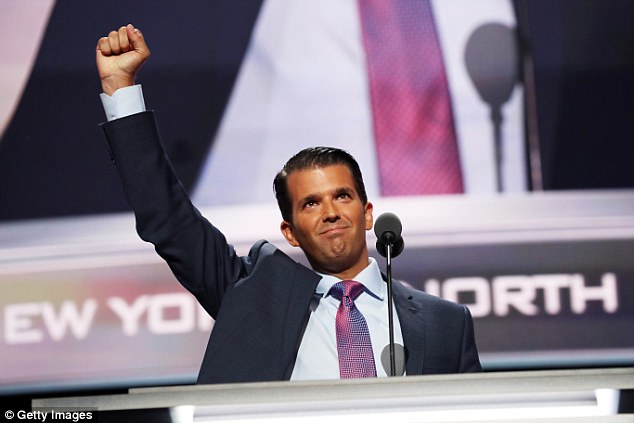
{"type": "Point", "coordinates": [319, 181]}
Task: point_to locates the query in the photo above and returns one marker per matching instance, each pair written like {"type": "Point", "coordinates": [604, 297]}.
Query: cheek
{"type": "Point", "coordinates": [301, 232]}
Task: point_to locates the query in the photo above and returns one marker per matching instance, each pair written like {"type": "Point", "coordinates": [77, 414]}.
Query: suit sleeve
{"type": "Point", "coordinates": [196, 251]}
{"type": "Point", "coordinates": [469, 360]}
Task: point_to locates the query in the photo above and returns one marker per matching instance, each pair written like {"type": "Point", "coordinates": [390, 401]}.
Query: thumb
{"type": "Point", "coordinates": [137, 42]}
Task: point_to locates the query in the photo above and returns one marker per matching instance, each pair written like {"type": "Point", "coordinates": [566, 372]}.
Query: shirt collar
{"type": "Point", "coordinates": [370, 277]}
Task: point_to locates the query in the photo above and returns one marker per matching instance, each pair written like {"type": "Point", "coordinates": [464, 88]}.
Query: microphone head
{"type": "Point", "coordinates": [387, 227]}
{"type": "Point", "coordinates": [492, 61]}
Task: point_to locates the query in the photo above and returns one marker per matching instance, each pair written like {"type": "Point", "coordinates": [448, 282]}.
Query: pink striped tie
{"type": "Point", "coordinates": [412, 116]}
{"type": "Point", "coordinates": [354, 347]}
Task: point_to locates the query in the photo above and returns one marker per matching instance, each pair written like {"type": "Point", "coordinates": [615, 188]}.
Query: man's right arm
{"type": "Point", "coordinates": [197, 252]}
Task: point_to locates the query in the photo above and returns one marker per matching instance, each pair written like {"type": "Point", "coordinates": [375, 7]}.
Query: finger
{"type": "Point", "coordinates": [124, 41]}
{"type": "Point", "coordinates": [113, 40]}
{"type": "Point", "coordinates": [103, 45]}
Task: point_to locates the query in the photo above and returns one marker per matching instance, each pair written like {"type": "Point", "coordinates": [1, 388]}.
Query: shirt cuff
{"type": "Point", "coordinates": [123, 102]}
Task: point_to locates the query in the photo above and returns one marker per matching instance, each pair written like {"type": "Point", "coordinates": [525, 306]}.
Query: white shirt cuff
{"type": "Point", "coordinates": [124, 102]}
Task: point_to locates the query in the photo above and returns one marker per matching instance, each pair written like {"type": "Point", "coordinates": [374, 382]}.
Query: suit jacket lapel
{"type": "Point", "coordinates": [412, 320]}
{"type": "Point", "coordinates": [304, 282]}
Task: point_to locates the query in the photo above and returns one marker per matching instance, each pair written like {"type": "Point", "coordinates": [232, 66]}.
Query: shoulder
{"type": "Point", "coordinates": [265, 256]}
{"type": "Point", "coordinates": [263, 249]}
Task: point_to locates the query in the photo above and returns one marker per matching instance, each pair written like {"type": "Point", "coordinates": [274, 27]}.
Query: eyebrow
{"type": "Point", "coordinates": [335, 192]}
{"type": "Point", "coordinates": [309, 198]}
{"type": "Point", "coordinates": [344, 190]}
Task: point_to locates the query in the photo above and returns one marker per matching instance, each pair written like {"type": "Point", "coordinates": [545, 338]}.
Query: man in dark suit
{"type": "Point", "coordinates": [274, 317]}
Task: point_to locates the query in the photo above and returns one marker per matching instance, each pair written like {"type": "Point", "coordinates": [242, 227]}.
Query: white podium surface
{"type": "Point", "coordinates": [583, 395]}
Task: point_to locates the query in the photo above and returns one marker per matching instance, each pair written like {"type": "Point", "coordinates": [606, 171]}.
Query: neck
{"type": "Point", "coordinates": [347, 273]}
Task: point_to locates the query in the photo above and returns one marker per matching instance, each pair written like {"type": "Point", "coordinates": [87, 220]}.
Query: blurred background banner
{"type": "Point", "coordinates": [567, 124]}
{"type": "Point", "coordinates": [544, 263]}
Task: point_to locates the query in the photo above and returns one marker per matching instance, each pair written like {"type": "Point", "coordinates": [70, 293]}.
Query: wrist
{"type": "Point", "coordinates": [111, 84]}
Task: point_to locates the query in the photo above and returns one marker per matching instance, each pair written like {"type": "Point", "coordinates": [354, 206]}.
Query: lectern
{"type": "Point", "coordinates": [582, 395]}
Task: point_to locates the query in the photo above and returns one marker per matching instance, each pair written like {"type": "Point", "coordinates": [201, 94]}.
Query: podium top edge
{"type": "Point", "coordinates": [425, 387]}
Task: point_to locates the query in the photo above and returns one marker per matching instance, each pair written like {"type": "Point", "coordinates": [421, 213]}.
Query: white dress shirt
{"type": "Point", "coordinates": [123, 102]}
{"type": "Point", "coordinates": [317, 357]}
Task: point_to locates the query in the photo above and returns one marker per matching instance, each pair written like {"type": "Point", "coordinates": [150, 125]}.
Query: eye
{"type": "Point", "coordinates": [309, 204]}
{"type": "Point", "coordinates": [344, 195]}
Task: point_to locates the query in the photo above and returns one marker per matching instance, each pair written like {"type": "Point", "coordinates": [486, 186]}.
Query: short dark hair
{"type": "Point", "coordinates": [309, 158]}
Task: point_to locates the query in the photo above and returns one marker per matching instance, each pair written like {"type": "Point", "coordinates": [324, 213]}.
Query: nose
{"type": "Point", "coordinates": [330, 212]}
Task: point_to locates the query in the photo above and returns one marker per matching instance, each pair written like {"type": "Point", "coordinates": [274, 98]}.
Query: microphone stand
{"type": "Point", "coordinates": [496, 120]}
{"type": "Point", "coordinates": [390, 311]}
{"type": "Point", "coordinates": [389, 244]}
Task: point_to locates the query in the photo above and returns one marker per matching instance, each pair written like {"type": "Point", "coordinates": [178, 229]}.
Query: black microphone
{"type": "Point", "coordinates": [493, 63]}
{"type": "Point", "coordinates": [388, 230]}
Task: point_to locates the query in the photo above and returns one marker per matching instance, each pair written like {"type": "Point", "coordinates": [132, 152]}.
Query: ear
{"type": "Point", "coordinates": [368, 216]}
{"type": "Point", "coordinates": [287, 231]}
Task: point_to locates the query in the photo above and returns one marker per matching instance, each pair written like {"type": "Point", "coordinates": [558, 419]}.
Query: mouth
{"type": "Point", "coordinates": [333, 230]}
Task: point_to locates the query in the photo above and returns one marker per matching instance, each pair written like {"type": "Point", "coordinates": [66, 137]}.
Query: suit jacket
{"type": "Point", "coordinates": [261, 302]}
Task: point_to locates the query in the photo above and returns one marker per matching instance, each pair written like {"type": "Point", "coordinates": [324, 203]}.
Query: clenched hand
{"type": "Point", "coordinates": [119, 58]}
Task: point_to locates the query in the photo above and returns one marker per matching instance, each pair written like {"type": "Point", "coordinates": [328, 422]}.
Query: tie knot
{"type": "Point", "coordinates": [348, 288]}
